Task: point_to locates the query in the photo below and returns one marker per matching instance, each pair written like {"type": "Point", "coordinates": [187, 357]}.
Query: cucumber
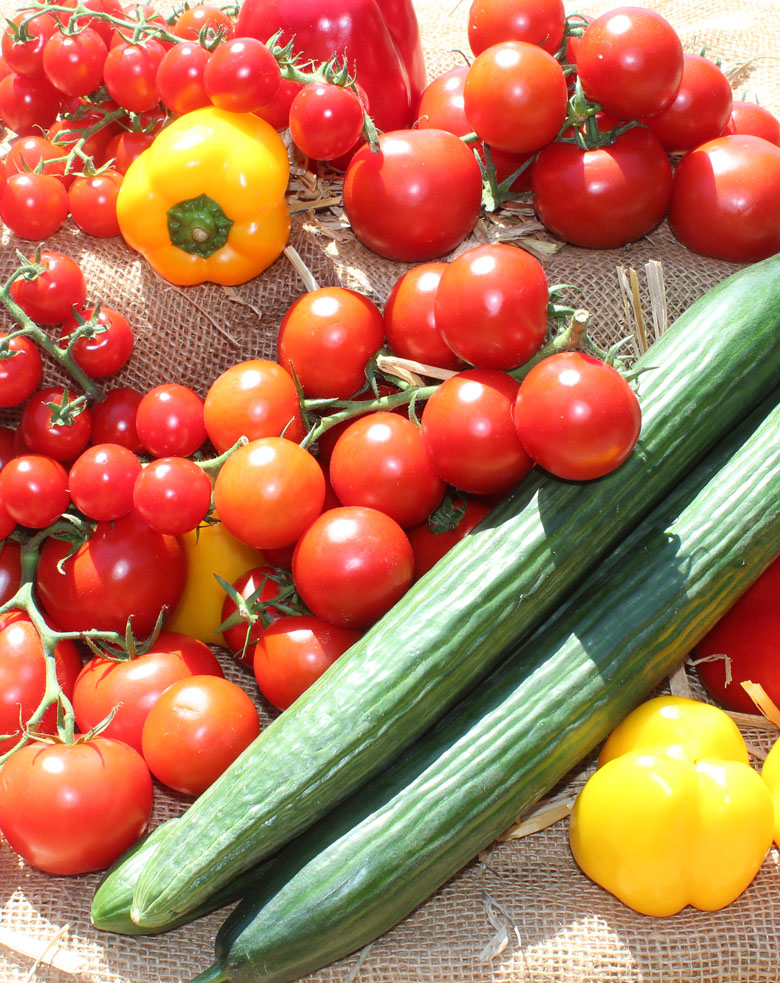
{"type": "Point", "coordinates": [354, 875]}
{"type": "Point", "coordinates": [705, 373]}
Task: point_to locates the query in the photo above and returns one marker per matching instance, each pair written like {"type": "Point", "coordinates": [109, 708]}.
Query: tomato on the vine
{"type": "Point", "coordinates": [430, 543]}
{"type": "Point", "coordinates": [101, 481]}
{"type": "Point", "coordinates": [107, 345]}
{"type": "Point", "coordinates": [325, 120]}
{"type": "Point", "coordinates": [50, 296]}
{"type": "Point", "coordinates": [25, 57]}
{"type": "Point", "coordinates": [73, 63]}
{"type": "Point", "coordinates": [172, 494]}
{"type": "Point", "coordinates": [180, 77]}
{"type": "Point", "coordinates": [130, 74]}
{"type": "Point", "coordinates": [63, 439]}
{"type": "Point", "coordinates": [34, 490]}
{"type": "Point", "coordinates": [536, 21]}
{"type": "Point", "coordinates": [203, 19]}
{"type": "Point", "coordinates": [441, 103]}
{"type": "Point", "coordinates": [113, 419]}
{"type": "Point", "coordinates": [240, 638]}
{"type": "Point", "coordinates": [28, 104]}
{"type": "Point", "coordinates": [36, 152]}
{"type": "Point", "coordinates": [20, 371]}
{"type": "Point", "coordinates": [169, 420]}
{"type": "Point", "coordinates": [242, 75]}
{"type": "Point", "coordinates": [33, 205]}
{"type": "Point", "coordinates": [92, 202]}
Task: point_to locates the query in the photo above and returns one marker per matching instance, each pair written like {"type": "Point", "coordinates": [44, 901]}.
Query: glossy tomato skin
{"type": "Point", "coordinates": [430, 546]}
{"type": "Point", "coordinates": [397, 201]}
{"type": "Point", "coordinates": [605, 197]}
{"type": "Point", "coordinates": [749, 117]}
{"type": "Point", "coordinates": [125, 570]}
{"type": "Point", "coordinates": [240, 638]}
{"type": "Point", "coordinates": [198, 727]}
{"type": "Point", "coordinates": [74, 808]}
{"type": "Point", "coordinates": [61, 441]}
{"type": "Point", "coordinates": [34, 490]}
{"type": "Point", "coordinates": [491, 306]}
{"type": "Point", "coordinates": [10, 569]}
{"type": "Point", "coordinates": [131, 687]}
{"type": "Point", "coordinates": [51, 297]}
{"type": "Point", "coordinates": [441, 103]}
{"type": "Point", "coordinates": [20, 374]}
{"type": "Point", "coordinates": [726, 199]}
{"type": "Point", "coordinates": [294, 652]}
{"type": "Point", "coordinates": [630, 61]}
{"type": "Point", "coordinates": [743, 646]}
{"type": "Point", "coordinates": [576, 416]}
{"type": "Point", "coordinates": [351, 565]}
{"type": "Point", "coordinates": [535, 21]}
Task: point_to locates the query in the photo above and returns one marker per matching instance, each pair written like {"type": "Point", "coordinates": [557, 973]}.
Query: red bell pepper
{"type": "Point", "coordinates": [380, 38]}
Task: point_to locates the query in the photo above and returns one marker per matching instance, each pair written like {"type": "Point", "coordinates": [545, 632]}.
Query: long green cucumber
{"type": "Point", "coordinates": [706, 372]}
{"type": "Point", "coordinates": [365, 866]}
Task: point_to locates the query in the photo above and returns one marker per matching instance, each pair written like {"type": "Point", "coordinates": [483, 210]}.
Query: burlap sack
{"type": "Point", "coordinates": [522, 911]}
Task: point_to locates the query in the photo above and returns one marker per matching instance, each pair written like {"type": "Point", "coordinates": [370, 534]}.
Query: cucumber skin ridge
{"type": "Point", "coordinates": [364, 867]}
{"type": "Point", "coordinates": [368, 707]}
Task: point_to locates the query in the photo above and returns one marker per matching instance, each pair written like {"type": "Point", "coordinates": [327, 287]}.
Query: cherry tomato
{"type": "Point", "coordinates": [294, 652]}
{"type": "Point", "coordinates": [23, 677]}
{"type": "Point", "coordinates": [515, 96]}
{"type": "Point", "coordinates": [34, 490]}
{"type": "Point", "coordinates": [535, 21]}
{"type": "Point", "coordinates": [101, 481]}
{"type": "Point", "coordinates": [203, 18]}
{"type": "Point", "coordinates": [576, 416]}
{"type": "Point", "coordinates": [104, 27]}
{"type": "Point", "coordinates": [399, 205]}
{"type": "Point", "coordinates": [36, 152]}
{"type": "Point", "coordinates": [126, 147]}
{"type": "Point", "coordinates": [63, 441]}
{"type": "Point", "coordinates": [7, 521]}
{"type": "Point", "coordinates": [74, 808]}
{"type": "Point", "coordinates": [49, 297]}
{"type": "Point", "coordinates": [441, 103]}
{"type": "Point", "coordinates": [749, 117]}
{"type": "Point", "coordinates": [430, 543]}
{"type": "Point", "coordinates": [172, 494]}
{"type": "Point", "coordinates": [380, 461]}
{"type": "Point", "coordinates": [256, 587]}
{"type": "Point", "coordinates": [242, 75]}
{"type": "Point", "coordinates": [113, 419]}
{"type": "Point", "coordinates": [180, 77]}
{"type": "Point", "coordinates": [70, 130]}
{"type": "Point", "coordinates": [491, 306]}
{"type": "Point", "coordinates": [73, 63]}
{"type": "Point", "coordinates": [630, 61]}
{"type": "Point", "coordinates": [131, 687]}
{"type": "Point", "coordinates": [125, 570]}
{"type": "Point", "coordinates": [605, 197]}
{"type": "Point", "coordinates": [469, 434]}
{"type": "Point", "coordinates": [92, 203]}
{"type": "Point", "coordinates": [26, 57]}
{"type": "Point", "coordinates": [169, 421]}
{"type": "Point", "coordinates": [10, 569]}
{"type": "Point", "coordinates": [325, 120]}
{"type": "Point", "coordinates": [20, 372]}
{"type": "Point", "coordinates": [197, 728]}
{"type": "Point", "coordinates": [410, 321]}
{"type": "Point", "coordinates": [351, 565]}
{"type": "Point", "coordinates": [255, 398]}
{"type": "Point", "coordinates": [743, 646]}
{"type": "Point", "coordinates": [269, 491]}
{"type": "Point", "coordinates": [700, 110]}
{"type": "Point", "coordinates": [28, 104]}
{"type": "Point", "coordinates": [7, 445]}
{"type": "Point", "coordinates": [33, 205]}
{"type": "Point", "coordinates": [107, 345]}
{"type": "Point", "coordinates": [726, 199]}
{"type": "Point", "coordinates": [130, 74]}
{"type": "Point", "coordinates": [277, 110]}
{"type": "Point", "coordinates": [327, 337]}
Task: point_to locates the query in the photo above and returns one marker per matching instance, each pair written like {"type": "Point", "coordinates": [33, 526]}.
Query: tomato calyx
{"type": "Point", "coordinates": [253, 609]}
{"type": "Point", "coordinates": [449, 513]}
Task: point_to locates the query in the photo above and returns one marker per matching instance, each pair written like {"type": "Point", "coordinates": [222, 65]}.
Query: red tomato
{"type": "Point", "coordinates": [257, 587]}
{"type": "Point", "coordinates": [74, 808]}
{"type": "Point", "coordinates": [180, 77]}
{"type": "Point", "coordinates": [106, 346]}
{"type": "Point", "coordinates": [749, 117]}
{"type": "Point", "coordinates": [73, 63]}
{"type": "Point", "coordinates": [491, 306]}
{"type": "Point", "coordinates": [20, 374]}
{"type": "Point", "coordinates": [604, 197]}
{"type": "Point", "coordinates": [397, 201]}
{"type": "Point", "coordinates": [255, 398]}
{"type": "Point", "coordinates": [469, 435]}
{"type": "Point", "coordinates": [51, 296]}
{"type": "Point", "coordinates": [131, 687]}
{"type": "Point", "coordinates": [699, 111]}
{"type": "Point", "coordinates": [441, 103]}
{"type": "Point", "coordinates": [726, 199]}
{"type": "Point", "coordinates": [169, 420]}
{"type": "Point", "coordinates": [277, 110]}
{"type": "Point", "coordinates": [34, 490]}
{"type": "Point", "coordinates": [101, 481]}
{"type": "Point", "coordinates": [28, 105]}
{"type": "Point", "coordinates": [203, 18]}
{"type": "Point", "coordinates": [536, 21]}
{"type": "Point", "coordinates": [113, 419]}
{"type": "Point", "coordinates": [327, 337]}
{"type": "Point", "coordinates": [124, 571]}
{"type": "Point", "coordinates": [33, 205]}
{"type": "Point", "coordinates": [92, 202]}
{"type": "Point", "coordinates": [380, 461]}
{"type": "Point", "coordinates": [742, 646]}
{"type": "Point", "coordinates": [10, 569]}
{"type": "Point", "coordinates": [242, 76]}
{"type": "Point", "coordinates": [515, 96]}
{"type": "Point", "coordinates": [294, 652]}
{"type": "Point", "coordinates": [326, 120]}
{"type": "Point", "coordinates": [23, 677]}
{"type": "Point", "coordinates": [410, 321]}
{"type": "Point", "coordinates": [576, 416]}
{"type": "Point", "coordinates": [268, 492]}
{"type": "Point", "coordinates": [431, 544]}
{"type": "Point", "coordinates": [630, 61]}
{"type": "Point", "coordinates": [173, 494]}
{"type": "Point", "coordinates": [198, 727]}
{"type": "Point", "coordinates": [130, 74]}
{"type": "Point", "coordinates": [26, 57]}
{"type": "Point", "coordinates": [63, 441]}
{"type": "Point", "coordinates": [33, 152]}
{"type": "Point", "coordinates": [351, 565]}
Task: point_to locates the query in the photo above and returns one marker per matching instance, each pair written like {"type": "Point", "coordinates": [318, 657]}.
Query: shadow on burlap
{"type": "Point", "coordinates": [556, 925]}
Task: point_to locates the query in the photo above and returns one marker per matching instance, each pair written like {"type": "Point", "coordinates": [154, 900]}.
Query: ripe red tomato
{"type": "Point", "coordinates": [742, 646]}
{"type": "Point", "coordinates": [113, 419]}
{"type": "Point", "coordinates": [326, 120]}
{"type": "Point", "coordinates": [257, 587]}
{"type": "Point", "coordinates": [130, 74]}
{"type": "Point", "coordinates": [515, 96]}
{"type": "Point", "coordinates": [10, 569]}
{"type": "Point", "coordinates": [203, 18]}
{"type": "Point", "coordinates": [351, 565]}
{"type": "Point", "coordinates": [63, 441]}
{"type": "Point", "coordinates": [107, 346]}
{"type": "Point", "coordinates": [101, 481]}
{"type": "Point", "coordinates": [242, 75]}
{"type": "Point", "coordinates": [131, 687]}
{"type": "Point", "coordinates": [469, 435]}
{"type": "Point", "coordinates": [124, 571]}
{"type": "Point", "coordinates": [26, 57]}
{"type": "Point", "coordinates": [74, 808]}
{"type": "Point", "coordinates": [255, 398]}
{"type": "Point", "coordinates": [20, 374]}
{"type": "Point", "coordinates": [430, 544]}
{"type": "Point", "coordinates": [169, 420]}
{"type": "Point", "coordinates": [34, 490]}
{"type": "Point", "coordinates": [441, 103]}
{"type": "Point", "coordinates": [576, 416]}
{"type": "Point", "coordinates": [73, 63]}
{"type": "Point", "coordinates": [399, 205]}
{"type": "Point", "coordinates": [749, 117]}
{"type": "Point", "coordinates": [198, 727]}
{"type": "Point", "coordinates": [630, 61]}
{"type": "Point", "coordinates": [327, 337]}
{"type": "Point", "coordinates": [33, 205]}
{"type": "Point", "coordinates": [92, 202]}
{"type": "Point", "coordinates": [28, 104]}
{"type": "Point", "coordinates": [173, 494]}
{"type": "Point", "coordinates": [410, 321]}
{"type": "Point", "coordinates": [491, 306]}
{"type": "Point", "coordinates": [268, 492]}
{"type": "Point", "coordinates": [604, 197]}
{"type": "Point", "coordinates": [380, 461]}
{"type": "Point", "coordinates": [294, 652]}
{"type": "Point", "coordinates": [180, 77]}
{"type": "Point", "coordinates": [536, 21]}
{"type": "Point", "coordinates": [36, 152]}
{"type": "Point", "coordinates": [726, 199]}
{"type": "Point", "coordinates": [51, 296]}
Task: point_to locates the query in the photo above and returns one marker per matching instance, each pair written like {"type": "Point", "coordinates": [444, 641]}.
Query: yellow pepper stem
{"type": "Point", "coordinates": [198, 225]}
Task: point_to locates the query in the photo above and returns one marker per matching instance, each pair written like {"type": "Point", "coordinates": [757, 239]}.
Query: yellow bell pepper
{"type": "Point", "coordinates": [770, 772]}
{"type": "Point", "coordinates": [674, 815]}
{"type": "Point", "coordinates": [206, 201]}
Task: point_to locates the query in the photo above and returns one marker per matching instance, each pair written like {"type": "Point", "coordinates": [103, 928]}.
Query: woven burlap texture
{"type": "Point", "coordinates": [522, 911]}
